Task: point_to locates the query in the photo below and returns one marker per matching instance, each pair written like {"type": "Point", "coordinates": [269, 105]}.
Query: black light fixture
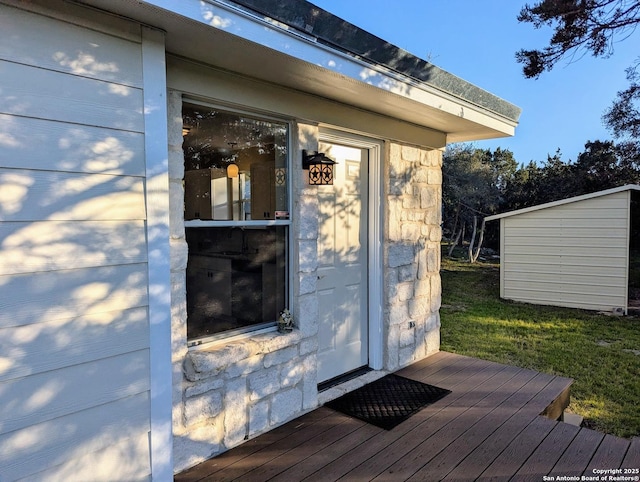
{"type": "Point", "coordinates": [320, 167]}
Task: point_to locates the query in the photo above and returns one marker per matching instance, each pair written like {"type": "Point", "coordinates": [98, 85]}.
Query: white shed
{"type": "Point", "coordinates": [574, 252]}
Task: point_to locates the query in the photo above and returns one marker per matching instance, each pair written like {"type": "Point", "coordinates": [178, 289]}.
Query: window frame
{"type": "Point", "coordinates": [268, 326]}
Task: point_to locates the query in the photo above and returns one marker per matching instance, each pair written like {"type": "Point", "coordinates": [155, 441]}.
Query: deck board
{"type": "Point", "coordinates": [488, 428]}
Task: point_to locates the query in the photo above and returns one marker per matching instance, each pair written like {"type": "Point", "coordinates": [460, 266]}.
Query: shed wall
{"type": "Point", "coordinates": [74, 329]}
{"type": "Point", "coordinates": [573, 254]}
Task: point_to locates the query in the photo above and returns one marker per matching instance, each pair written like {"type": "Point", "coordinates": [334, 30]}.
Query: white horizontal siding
{"type": "Point", "coordinates": [56, 393]}
{"type": "Point", "coordinates": [63, 47]}
{"type": "Point", "coordinates": [45, 94]}
{"type": "Point", "coordinates": [74, 323]}
{"type": "Point", "coordinates": [70, 147]}
{"type": "Point", "coordinates": [51, 345]}
{"type": "Point", "coordinates": [61, 245]}
{"type": "Point", "coordinates": [27, 195]}
{"type": "Point", "coordinates": [123, 460]}
{"type": "Point", "coordinates": [573, 254]}
{"type": "Point", "coordinates": [55, 295]}
{"type": "Point", "coordinates": [55, 442]}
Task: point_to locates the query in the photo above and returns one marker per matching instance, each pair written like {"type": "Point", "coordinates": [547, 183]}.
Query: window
{"type": "Point", "coordinates": [236, 219]}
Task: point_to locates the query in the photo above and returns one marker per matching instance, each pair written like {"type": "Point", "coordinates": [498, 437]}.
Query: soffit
{"type": "Point", "coordinates": [231, 39]}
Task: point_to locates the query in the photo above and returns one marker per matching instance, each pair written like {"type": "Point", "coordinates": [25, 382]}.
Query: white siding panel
{"type": "Point", "coordinates": [45, 94]}
{"type": "Point", "coordinates": [58, 245]}
{"type": "Point", "coordinates": [48, 296]}
{"type": "Point", "coordinates": [69, 147]}
{"type": "Point", "coordinates": [39, 347]}
{"type": "Point", "coordinates": [45, 396]}
{"type": "Point", "coordinates": [124, 460]}
{"type": "Point", "coordinates": [565, 241]}
{"type": "Point", "coordinates": [581, 223]}
{"type": "Point", "coordinates": [599, 251]}
{"type": "Point", "coordinates": [570, 300]}
{"type": "Point", "coordinates": [27, 195]}
{"type": "Point", "coordinates": [534, 233]}
{"type": "Point", "coordinates": [569, 279]}
{"type": "Point", "coordinates": [55, 45]}
{"type": "Point", "coordinates": [528, 269]}
{"type": "Point", "coordinates": [55, 442]}
{"type": "Point", "coordinates": [566, 260]}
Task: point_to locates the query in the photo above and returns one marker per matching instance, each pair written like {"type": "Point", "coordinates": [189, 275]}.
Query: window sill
{"type": "Point", "coordinates": [209, 360]}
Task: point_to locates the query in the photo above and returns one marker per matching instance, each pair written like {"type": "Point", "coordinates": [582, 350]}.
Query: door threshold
{"type": "Point", "coordinates": [326, 385]}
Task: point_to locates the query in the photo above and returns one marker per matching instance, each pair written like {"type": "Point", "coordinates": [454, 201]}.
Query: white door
{"type": "Point", "coordinates": [342, 264]}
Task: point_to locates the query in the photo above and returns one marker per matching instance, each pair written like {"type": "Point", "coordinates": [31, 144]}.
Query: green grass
{"type": "Point", "coordinates": [583, 345]}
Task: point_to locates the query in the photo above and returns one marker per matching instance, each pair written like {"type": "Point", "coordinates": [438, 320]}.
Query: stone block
{"type": "Point", "coordinates": [407, 336]}
{"type": "Point", "coordinates": [264, 383]}
{"type": "Point", "coordinates": [309, 345]}
{"type": "Point", "coordinates": [235, 412]}
{"type": "Point", "coordinates": [429, 198]}
{"type": "Point", "coordinates": [406, 356]}
{"type": "Point", "coordinates": [400, 255]}
{"type": "Point", "coordinates": [244, 367]}
{"type": "Point", "coordinates": [398, 314]}
{"type": "Point", "coordinates": [285, 405]}
{"type": "Point", "coordinates": [291, 373]}
{"type": "Point", "coordinates": [392, 350]}
{"type": "Point", "coordinates": [408, 272]}
{"type": "Point", "coordinates": [422, 288]}
{"type": "Point", "coordinates": [310, 382]}
{"type": "Point", "coordinates": [410, 154]}
{"type": "Point", "coordinates": [405, 291]}
{"type": "Point", "coordinates": [199, 445]}
{"type": "Point", "coordinates": [194, 389]}
{"type": "Point", "coordinates": [258, 417]}
{"type": "Point", "coordinates": [281, 356]}
{"type": "Point", "coordinates": [308, 315]}
{"type": "Point", "coordinates": [308, 283]}
{"type": "Point", "coordinates": [435, 177]}
{"type": "Point", "coordinates": [412, 200]}
{"type": "Point", "coordinates": [432, 341]}
{"type": "Point", "coordinates": [176, 209]}
{"type": "Point", "coordinates": [179, 253]}
{"type": "Point", "coordinates": [419, 308]}
{"type": "Point", "coordinates": [410, 232]}
{"type": "Point", "coordinates": [219, 358]}
{"type": "Point", "coordinates": [308, 256]}
{"type": "Point", "coordinates": [200, 408]}
{"type": "Point", "coordinates": [176, 162]}
{"type": "Point", "coordinates": [420, 176]}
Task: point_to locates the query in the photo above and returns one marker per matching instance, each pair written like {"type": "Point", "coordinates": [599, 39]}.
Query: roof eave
{"type": "Point", "coordinates": [268, 49]}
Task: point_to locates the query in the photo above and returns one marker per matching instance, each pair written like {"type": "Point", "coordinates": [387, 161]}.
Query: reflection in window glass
{"type": "Point", "coordinates": [236, 278]}
{"type": "Point", "coordinates": [235, 166]}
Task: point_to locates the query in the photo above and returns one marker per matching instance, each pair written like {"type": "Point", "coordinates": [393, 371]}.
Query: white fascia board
{"type": "Point", "coordinates": [279, 37]}
{"type": "Point", "coordinates": [583, 197]}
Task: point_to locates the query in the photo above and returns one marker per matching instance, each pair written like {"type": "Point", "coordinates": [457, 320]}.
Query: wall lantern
{"type": "Point", "coordinates": [320, 167]}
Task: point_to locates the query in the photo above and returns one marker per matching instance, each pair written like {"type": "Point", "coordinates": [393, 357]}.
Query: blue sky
{"type": "Point", "coordinates": [477, 40]}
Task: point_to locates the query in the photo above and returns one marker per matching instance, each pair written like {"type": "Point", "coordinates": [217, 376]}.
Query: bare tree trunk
{"type": "Point", "coordinates": [454, 243]}
{"type": "Point", "coordinates": [455, 223]}
{"type": "Point", "coordinates": [473, 255]}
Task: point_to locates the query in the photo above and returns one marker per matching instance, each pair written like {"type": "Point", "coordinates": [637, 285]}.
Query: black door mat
{"type": "Point", "coordinates": [388, 401]}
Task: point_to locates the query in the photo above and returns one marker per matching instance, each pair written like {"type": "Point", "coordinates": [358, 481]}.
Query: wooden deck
{"type": "Point", "coordinates": [488, 428]}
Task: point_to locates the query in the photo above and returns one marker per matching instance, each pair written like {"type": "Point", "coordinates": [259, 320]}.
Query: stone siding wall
{"type": "Point", "coordinates": [412, 252]}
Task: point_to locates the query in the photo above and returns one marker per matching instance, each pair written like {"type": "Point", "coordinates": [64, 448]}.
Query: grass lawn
{"type": "Point", "coordinates": [597, 351]}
